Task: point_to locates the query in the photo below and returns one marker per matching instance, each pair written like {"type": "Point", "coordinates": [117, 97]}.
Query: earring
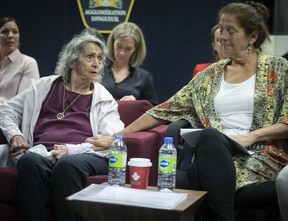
{"type": "Point", "coordinates": [249, 48]}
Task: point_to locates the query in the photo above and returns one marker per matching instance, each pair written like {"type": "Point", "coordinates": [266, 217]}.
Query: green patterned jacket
{"type": "Point", "coordinates": [194, 102]}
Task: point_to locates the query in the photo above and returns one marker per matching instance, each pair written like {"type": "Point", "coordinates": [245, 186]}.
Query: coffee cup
{"type": "Point", "coordinates": [139, 171]}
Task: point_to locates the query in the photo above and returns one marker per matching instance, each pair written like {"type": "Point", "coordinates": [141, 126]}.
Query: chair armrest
{"type": "Point", "coordinates": [160, 132]}
{"type": "Point", "coordinates": [131, 110]}
{"type": "Point", "coordinates": [8, 185]}
{"type": "Point", "coordinates": [98, 179]}
{"type": "Point", "coordinates": [139, 144]}
{"type": "Point", "coordinates": [143, 144]}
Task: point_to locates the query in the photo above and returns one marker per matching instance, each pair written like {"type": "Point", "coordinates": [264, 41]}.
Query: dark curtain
{"type": "Point", "coordinates": [176, 32]}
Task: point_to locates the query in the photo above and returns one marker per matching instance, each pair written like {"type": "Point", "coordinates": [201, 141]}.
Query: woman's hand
{"type": "Point", "coordinates": [245, 140]}
{"type": "Point", "coordinates": [99, 148]}
{"type": "Point", "coordinates": [100, 142]}
{"type": "Point", "coordinates": [128, 98]}
{"type": "Point", "coordinates": [18, 145]}
{"type": "Point", "coordinates": [274, 132]}
{"type": "Point", "coordinates": [59, 151]}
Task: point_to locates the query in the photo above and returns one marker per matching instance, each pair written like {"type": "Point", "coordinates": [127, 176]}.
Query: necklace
{"type": "Point", "coordinates": [61, 115]}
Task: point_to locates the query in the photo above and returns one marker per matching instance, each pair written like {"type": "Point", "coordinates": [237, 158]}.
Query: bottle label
{"type": "Point", "coordinates": [167, 164]}
{"type": "Point", "coordinates": [117, 160]}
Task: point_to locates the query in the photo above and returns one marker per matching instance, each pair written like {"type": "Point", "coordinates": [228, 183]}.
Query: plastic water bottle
{"type": "Point", "coordinates": [167, 166]}
{"type": "Point", "coordinates": [117, 162]}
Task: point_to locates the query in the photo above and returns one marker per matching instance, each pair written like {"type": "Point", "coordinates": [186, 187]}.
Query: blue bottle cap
{"type": "Point", "coordinates": [168, 139]}
{"type": "Point", "coordinates": [118, 137]}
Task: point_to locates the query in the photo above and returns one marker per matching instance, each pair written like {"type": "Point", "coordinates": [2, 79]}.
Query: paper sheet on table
{"type": "Point", "coordinates": [190, 135]}
{"type": "Point", "coordinates": [129, 196]}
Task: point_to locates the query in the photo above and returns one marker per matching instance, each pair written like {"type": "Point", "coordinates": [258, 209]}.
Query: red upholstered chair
{"type": "Point", "coordinates": [141, 144]}
{"type": "Point", "coordinates": [131, 110]}
{"type": "Point", "coordinates": [200, 67]}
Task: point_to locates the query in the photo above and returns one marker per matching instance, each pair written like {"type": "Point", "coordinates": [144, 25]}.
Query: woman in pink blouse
{"type": "Point", "coordinates": [16, 69]}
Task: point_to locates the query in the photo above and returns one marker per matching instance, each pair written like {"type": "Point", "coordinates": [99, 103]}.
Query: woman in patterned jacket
{"type": "Point", "coordinates": [243, 97]}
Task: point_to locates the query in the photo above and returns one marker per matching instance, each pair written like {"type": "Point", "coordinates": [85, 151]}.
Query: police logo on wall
{"type": "Point", "coordinates": [104, 15]}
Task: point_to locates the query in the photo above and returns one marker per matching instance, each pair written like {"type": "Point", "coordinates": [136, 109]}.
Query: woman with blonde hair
{"type": "Point", "coordinates": [123, 77]}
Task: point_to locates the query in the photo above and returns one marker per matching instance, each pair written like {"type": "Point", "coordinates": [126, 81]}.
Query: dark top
{"type": "Point", "coordinates": [74, 128]}
{"type": "Point", "coordinates": [138, 83]}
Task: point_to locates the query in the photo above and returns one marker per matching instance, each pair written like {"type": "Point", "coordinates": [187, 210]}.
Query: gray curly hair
{"type": "Point", "coordinates": [71, 52]}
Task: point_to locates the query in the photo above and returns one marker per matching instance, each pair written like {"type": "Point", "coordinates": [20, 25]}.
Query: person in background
{"type": "Point", "coordinates": [244, 98]}
{"type": "Point", "coordinates": [60, 111]}
{"type": "Point", "coordinates": [95, 32]}
{"type": "Point", "coordinates": [123, 77]}
{"type": "Point", "coordinates": [217, 51]}
{"type": "Point", "coordinates": [16, 69]}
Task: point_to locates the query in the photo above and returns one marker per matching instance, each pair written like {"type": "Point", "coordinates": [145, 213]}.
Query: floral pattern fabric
{"type": "Point", "coordinates": [195, 103]}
